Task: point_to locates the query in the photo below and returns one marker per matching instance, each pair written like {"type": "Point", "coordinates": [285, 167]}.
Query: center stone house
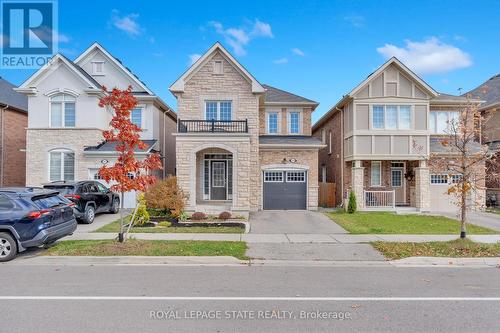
{"type": "Point", "coordinates": [242, 146]}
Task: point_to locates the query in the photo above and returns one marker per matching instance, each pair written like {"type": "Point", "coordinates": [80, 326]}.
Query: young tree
{"type": "Point", "coordinates": [465, 159]}
{"type": "Point", "coordinates": [127, 173]}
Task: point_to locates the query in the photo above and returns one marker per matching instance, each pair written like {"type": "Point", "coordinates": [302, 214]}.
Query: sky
{"type": "Point", "coordinates": [317, 49]}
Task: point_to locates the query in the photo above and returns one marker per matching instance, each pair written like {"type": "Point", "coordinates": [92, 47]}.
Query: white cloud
{"type": "Point", "coordinates": [62, 38]}
{"type": "Point", "coordinates": [281, 61]}
{"type": "Point", "coordinates": [428, 57]}
{"type": "Point", "coordinates": [239, 38]}
{"type": "Point", "coordinates": [127, 23]}
{"type": "Point", "coordinates": [298, 52]}
{"type": "Point", "coordinates": [356, 21]}
{"type": "Point", "coordinates": [193, 58]}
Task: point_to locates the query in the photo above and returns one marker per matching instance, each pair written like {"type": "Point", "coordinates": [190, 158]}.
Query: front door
{"type": "Point", "coordinates": [397, 183]}
{"type": "Point", "coordinates": [218, 186]}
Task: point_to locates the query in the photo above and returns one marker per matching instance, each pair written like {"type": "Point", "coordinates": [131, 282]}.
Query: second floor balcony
{"type": "Point", "coordinates": [212, 126]}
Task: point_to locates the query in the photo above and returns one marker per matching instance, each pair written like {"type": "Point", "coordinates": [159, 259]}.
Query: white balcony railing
{"type": "Point", "coordinates": [380, 199]}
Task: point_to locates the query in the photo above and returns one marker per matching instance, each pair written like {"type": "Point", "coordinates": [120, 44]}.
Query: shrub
{"type": "Point", "coordinates": [167, 196]}
{"type": "Point", "coordinates": [165, 224]}
{"type": "Point", "coordinates": [352, 207]}
{"type": "Point", "coordinates": [224, 216]}
{"type": "Point", "coordinates": [198, 216]}
{"type": "Point", "coordinates": [142, 215]}
{"type": "Point", "coordinates": [183, 216]}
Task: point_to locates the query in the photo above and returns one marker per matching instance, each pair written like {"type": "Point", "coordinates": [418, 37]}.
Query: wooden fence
{"type": "Point", "coordinates": [326, 195]}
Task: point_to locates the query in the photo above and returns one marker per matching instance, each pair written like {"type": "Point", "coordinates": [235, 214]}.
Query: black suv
{"type": "Point", "coordinates": [30, 217]}
{"type": "Point", "coordinates": [90, 197]}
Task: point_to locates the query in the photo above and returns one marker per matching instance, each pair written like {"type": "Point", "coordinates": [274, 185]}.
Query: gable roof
{"type": "Point", "coordinates": [278, 96]}
{"type": "Point", "coordinates": [116, 61]}
{"type": "Point", "coordinates": [178, 85]}
{"type": "Point", "coordinates": [26, 87]}
{"type": "Point", "coordinates": [488, 91]}
{"type": "Point", "coordinates": [11, 98]}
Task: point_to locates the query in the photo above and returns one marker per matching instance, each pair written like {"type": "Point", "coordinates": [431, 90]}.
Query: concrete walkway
{"type": "Point", "coordinates": [100, 221]}
{"type": "Point", "coordinates": [288, 238]}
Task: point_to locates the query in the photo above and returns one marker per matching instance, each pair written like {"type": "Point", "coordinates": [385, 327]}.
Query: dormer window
{"type": "Point", "coordinates": [218, 67]}
{"type": "Point", "coordinates": [98, 68]}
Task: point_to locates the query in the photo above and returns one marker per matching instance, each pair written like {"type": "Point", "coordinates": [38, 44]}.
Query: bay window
{"type": "Point", "coordinates": [391, 117]}
{"type": "Point", "coordinates": [62, 110]}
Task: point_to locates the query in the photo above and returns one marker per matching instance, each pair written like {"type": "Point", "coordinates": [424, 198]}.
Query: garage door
{"type": "Point", "coordinates": [285, 189]}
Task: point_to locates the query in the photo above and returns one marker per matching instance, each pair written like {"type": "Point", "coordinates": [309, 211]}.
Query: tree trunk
{"type": "Point", "coordinates": [463, 214]}
{"type": "Point", "coordinates": [121, 239]}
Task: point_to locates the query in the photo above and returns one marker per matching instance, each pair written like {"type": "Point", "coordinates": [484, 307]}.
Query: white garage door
{"type": "Point", "coordinates": [128, 197]}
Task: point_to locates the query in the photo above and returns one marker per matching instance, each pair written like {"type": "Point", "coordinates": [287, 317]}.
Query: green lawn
{"type": "Point", "coordinates": [115, 227]}
{"type": "Point", "coordinates": [493, 211]}
{"type": "Point", "coordinates": [135, 247]}
{"type": "Point", "coordinates": [390, 223]}
{"type": "Point", "coordinates": [455, 249]}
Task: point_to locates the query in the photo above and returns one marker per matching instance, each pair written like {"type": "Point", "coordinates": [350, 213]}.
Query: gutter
{"type": "Point", "coordinates": [342, 159]}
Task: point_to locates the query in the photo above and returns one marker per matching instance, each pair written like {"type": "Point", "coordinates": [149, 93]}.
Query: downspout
{"type": "Point", "coordinates": [341, 154]}
{"type": "Point", "coordinates": [1, 143]}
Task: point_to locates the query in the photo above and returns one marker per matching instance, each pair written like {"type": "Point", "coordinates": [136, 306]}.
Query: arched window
{"type": "Point", "coordinates": [61, 165]}
{"type": "Point", "coordinates": [62, 110]}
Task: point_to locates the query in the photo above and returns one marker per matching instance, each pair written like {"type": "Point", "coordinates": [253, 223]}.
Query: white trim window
{"type": "Point", "coordinates": [294, 122]}
{"type": "Point", "coordinates": [61, 165]}
{"type": "Point", "coordinates": [295, 176]}
{"type": "Point", "coordinates": [439, 179]}
{"type": "Point", "coordinates": [62, 111]}
{"type": "Point", "coordinates": [391, 117]}
{"type": "Point", "coordinates": [272, 123]}
{"type": "Point", "coordinates": [219, 110]}
{"type": "Point", "coordinates": [218, 67]}
{"type": "Point", "coordinates": [330, 143]}
{"type": "Point", "coordinates": [439, 121]}
{"type": "Point", "coordinates": [376, 173]}
{"type": "Point", "coordinates": [136, 117]}
{"type": "Point", "coordinates": [97, 67]}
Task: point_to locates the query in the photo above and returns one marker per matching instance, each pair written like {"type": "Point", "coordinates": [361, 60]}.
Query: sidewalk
{"type": "Point", "coordinates": [288, 238]}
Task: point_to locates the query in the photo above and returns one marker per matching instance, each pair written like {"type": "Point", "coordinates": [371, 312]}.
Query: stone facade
{"type": "Point", "coordinates": [41, 141]}
{"type": "Point", "coordinates": [303, 158]}
{"type": "Point", "coordinates": [13, 125]}
{"type": "Point", "coordinates": [283, 120]}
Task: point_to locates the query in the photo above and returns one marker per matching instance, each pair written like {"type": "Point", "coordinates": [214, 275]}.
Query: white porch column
{"type": "Point", "coordinates": [422, 187]}
{"type": "Point", "coordinates": [358, 174]}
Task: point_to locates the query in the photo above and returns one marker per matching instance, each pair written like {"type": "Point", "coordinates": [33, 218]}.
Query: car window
{"type": "Point", "coordinates": [62, 189]}
{"type": "Point", "coordinates": [5, 203]}
{"type": "Point", "coordinates": [85, 188]}
{"type": "Point", "coordinates": [93, 188]}
{"type": "Point", "coordinates": [48, 202]}
{"type": "Point", "coordinates": [102, 188]}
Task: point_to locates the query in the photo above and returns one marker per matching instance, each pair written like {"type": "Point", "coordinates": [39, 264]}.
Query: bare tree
{"type": "Point", "coordinates": [464, 159]}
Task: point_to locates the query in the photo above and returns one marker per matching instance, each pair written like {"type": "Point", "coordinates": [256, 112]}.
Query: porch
{"type": "Point", "coordinates": [386, 185]}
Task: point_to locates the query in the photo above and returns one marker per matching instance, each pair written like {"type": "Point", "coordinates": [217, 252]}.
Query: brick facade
{"type": "Point", "coordinates": [12, 150]}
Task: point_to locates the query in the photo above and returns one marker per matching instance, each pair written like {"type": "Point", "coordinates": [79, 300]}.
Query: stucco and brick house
{"type": "Point", "coordinates": [65, 124]}
{"type": "Point", "coordinates": [489, 93]}
{"type": "Point", "coordinates": [379, 138]}
{"type": "Point", "coordinates": [242, 146]}
{"type": "Point", "coordinates": [13, 123]}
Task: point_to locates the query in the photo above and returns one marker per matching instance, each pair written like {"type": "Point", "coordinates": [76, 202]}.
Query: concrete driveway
{"type": "Point", "coordinates": [483, 219]}
{"type": "Point", "coordinates": [292, 222]}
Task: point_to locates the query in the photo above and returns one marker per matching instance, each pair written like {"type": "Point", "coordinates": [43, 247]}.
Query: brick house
{"type": "Point", "coordinates": [379, 138]}
{"type": "Point", "coordinates": [489, 93]}
{"type": "Point", "coordinates": [13, 123]}
{"type": "Point", "coordinates": [65, 123]}
{"type": "Point", "coordinates": [242, 146]}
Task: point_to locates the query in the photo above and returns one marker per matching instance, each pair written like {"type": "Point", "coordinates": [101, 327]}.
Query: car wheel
{"type": "Point", "coordinates": [89, 216]}
{"type": "Point", "coordinates": [8, 247]}
{"type": "Point", "coordinates": [115, 208]}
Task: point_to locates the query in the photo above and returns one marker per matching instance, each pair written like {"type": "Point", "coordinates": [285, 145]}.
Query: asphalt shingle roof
{"type": "Point", "coordinates": [108, 146]}
{"type": "Point", "coordinates": [448, 97]}
{"type": "Point", "coordinates": [8, 96]}
{"type": "Point", "coordinates": [275, 95]}
{"type": "Point", "coordinates": [289, 140]}
{"type": "Point", "coordinates": [84, 73]}
{"type": "Point", "coordinates": [489, 91]}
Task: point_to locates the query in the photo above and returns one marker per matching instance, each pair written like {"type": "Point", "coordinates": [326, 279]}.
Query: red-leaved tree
{"type": "Point", "coordinates": [127, 173]}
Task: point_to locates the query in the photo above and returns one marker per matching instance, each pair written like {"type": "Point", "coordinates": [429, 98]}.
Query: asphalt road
{"type": "Point", "coordinates": [248, 299]}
